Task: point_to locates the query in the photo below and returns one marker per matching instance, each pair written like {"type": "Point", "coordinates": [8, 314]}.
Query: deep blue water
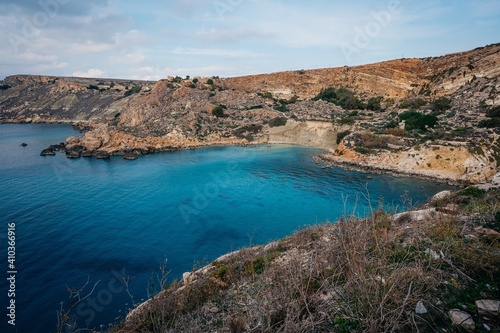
{"type": "Point", "coordinates": [99, 220]}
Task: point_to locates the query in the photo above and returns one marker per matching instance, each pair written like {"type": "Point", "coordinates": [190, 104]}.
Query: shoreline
{"type": "Point", "coordinates": [319, 159]}
{"type": "Point", "coordinates": [352, 166]}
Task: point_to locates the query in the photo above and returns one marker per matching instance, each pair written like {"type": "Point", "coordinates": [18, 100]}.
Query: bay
{"type": "Point", "coordinates": [107, 222]}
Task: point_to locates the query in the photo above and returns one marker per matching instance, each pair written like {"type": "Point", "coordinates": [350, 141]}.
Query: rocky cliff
{"type": "Point", "coordinates": [135, 117]}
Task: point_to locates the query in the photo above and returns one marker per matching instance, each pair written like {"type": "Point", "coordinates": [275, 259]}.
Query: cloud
{"type": "Point", "coordinates": [216, 35]}
{"type": "Point", "coordinates": [216, 52]}
{"type": "Point", "coordinates": [92, 72]}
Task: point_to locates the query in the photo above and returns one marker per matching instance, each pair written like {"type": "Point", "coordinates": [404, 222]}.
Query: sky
{"type": "Point", "coordinates": [155, 39]}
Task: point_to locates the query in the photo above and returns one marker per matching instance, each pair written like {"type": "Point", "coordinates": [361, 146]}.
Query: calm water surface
{"type": "Point", "coordinates": [99, 220]}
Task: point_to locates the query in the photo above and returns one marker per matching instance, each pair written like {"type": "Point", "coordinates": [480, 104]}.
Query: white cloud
{"type": "Point", "coordinates": [216, 52]}
{"type": "Point", "coordinates": [92, 72]}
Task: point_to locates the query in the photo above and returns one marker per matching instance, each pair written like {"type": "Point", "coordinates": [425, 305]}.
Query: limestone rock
{"type": "Point", "coordinates": [420, 308]}
{"type": "Point", "coordinates": [441, 195]}
{"type": "Point", "coordinates": [488, 307]}
{"type": "Point", "coordinates": [47, 152]}
{"type": "Point", "coordinates": [462, 318]}
{"type": "Point", "coordinates": [101, 154]}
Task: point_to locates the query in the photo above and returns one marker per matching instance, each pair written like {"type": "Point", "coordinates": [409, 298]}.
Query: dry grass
{"type": "Point", "coordinates": [357, 275]}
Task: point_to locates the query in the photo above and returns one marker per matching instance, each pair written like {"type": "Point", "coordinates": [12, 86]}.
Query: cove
{"type": "Point", "coordinates": [102, 220]}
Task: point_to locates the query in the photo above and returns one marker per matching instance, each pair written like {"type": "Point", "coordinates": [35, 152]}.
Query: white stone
{"type": "Point", "coordinates": [441, 195]}
{"type": "Point", "coordinates": [420, 308]}
{"type": "Point", "coordinates": [433, 254]}
{"type": "Point", "coordinates": [462, 318]}
{"type": "Point", "coordinates": [488, 307]}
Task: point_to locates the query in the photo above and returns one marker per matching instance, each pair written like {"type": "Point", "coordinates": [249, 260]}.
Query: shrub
{"type": "Point", "coordinates": [473, 192]}
{"type": "Point", "coordinates": [490, 123]}
{"type": "Point", "coordinates": [347, 121]}
{"type": "Point", "coordinates": [133, 90]}
{"type": "Point", "coordinates": [92, 87]}
{"type": "Point", "coordinates": [417, 120]}
{"type": "Point", "coordinates": [374, 103]}
{"type": "Point", "coordinates": [441, 104]}
{"type": "Point", "coordinates": [218, 111]}
{"type": "Point", "coordinates": [415, 103]}
{"type": "Point", "coordinates": [342, 135]}
{"type": "Point", "coordinates": [342, 97]}
{"type": "Point", "coordinates": [177, 79]}
{"type": "Point", "coordinates": [195, 81]}
{"type": "Point", "coordinates": [4, 87]}
{"type": "Point", "coordinates": [278, 121]}
{"type": "Point", "coordinates": [493, 112]}
{"type": "Point", "coordinates": [210, 82]}
{"type": "Point", "coordinates": [396, 131]}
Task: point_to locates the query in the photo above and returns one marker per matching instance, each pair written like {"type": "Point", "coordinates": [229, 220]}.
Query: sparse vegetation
{"type": "Point", "coordinates": [342, 97]}
{"type": "Point", "coordinates": [4, 87]}
{"type": "Point", "coordinates": [278, 121]}
{"type": "Point", "coordinates": [218, 111]}
{"type": "Point", "coordinates": [133, 90]}
{"type": "Point", "coordinates": [357, 275]}
{"type": "Point", "coordinates": [416, 120]}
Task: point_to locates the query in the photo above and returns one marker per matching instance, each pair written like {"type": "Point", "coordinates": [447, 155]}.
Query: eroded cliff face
{"type": "Point", "coordinates": [126, 116]}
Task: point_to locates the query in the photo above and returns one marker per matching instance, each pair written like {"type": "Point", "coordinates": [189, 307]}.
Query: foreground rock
{"type": "Point", "coordinates": [488, 308]}
{"type": "Point", "coordinates": [462, 318]}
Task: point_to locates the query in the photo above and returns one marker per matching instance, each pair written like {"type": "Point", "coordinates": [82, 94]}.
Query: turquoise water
{"type": "Point", "coordinates": [99, 220]}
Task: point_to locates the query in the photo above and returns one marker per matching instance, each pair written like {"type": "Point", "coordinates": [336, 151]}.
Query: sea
{"type": "Point", "coordinates": [89, 237]}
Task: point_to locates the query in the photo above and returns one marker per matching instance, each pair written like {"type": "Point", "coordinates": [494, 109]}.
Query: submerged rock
{"type": "Point", "coordinates": [23, 144]}
{"type": "Point", "coordinates": [130, 156]}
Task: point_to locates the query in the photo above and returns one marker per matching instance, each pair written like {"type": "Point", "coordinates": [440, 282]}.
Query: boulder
{"type": "Point", "coordinates": [441, 195]}
{"type": "Point", "coordinates": [23, 144]}
{"type": "Point", "coordinates": [130, 156]}
{"type": "Point", "coordinates": [488, 307]}
{"type": "Point", "coordinates": [101, 154]}
{"type": "Point", "coordinates": [73, 153]}
{"type": "Point", "coordinates": [420, 308]}
{"type": "Point", "coordinates": [47, 152]}
{"type": "Point", "coordinates": [462, 318]}
{"type": "Point", "coordinates": [87, 153]}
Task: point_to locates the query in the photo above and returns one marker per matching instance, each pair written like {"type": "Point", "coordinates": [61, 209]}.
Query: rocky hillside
{"type": "Point", "coordinates": [393, 115]}
{"type": "Point", "coordinates": [435, 269]}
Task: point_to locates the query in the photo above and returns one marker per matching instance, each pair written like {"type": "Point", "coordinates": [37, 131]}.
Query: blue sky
{"type": "Point", "coordinates": [155, 39]}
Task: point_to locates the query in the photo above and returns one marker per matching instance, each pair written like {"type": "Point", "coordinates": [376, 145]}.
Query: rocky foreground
{"type": "Point", "coordinates": [433, 117]}
{"type": "Point", "coordinates": [432, 269]}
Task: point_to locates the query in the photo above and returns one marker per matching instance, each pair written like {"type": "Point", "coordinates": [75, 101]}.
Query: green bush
{"type": "Point", "coordinates": [473, 192]}
{"type": "Point", "coordinates": [278, 121]}
{"type": "Point", "coordinates": [490, 123]}
{"type": "Point", "coordinates": [493, 112]}
{"type": "Point", "coordinates": [417, 120]}
{"type": "Point", "coordinates": [342, 97]}
{"type": "Point", "coordinates": [133, 90]}
{"type": "Point", "coordinates": [4, 87]}
{"type": "Point", "coordinates": [210, 82]}
{"type": "Point", "coordinates": [441, 104]}
{"type": "Point", "coordinates": [218, 111]}
{"type": "Point", "coordinates": [92, 87]}
{"type": "Point", "coordinates": [177, 79]}
{"type": "Point", "coordinates": [374, 103]}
